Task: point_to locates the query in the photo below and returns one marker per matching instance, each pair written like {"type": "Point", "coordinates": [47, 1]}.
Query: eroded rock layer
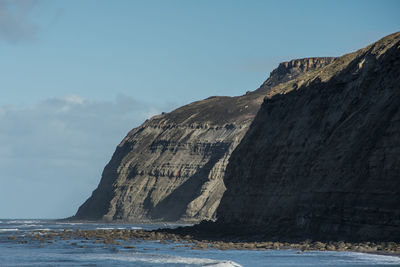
{"type": "Point", "coordinates": [323, 161]}
{"type": "Point", "coordinates": [172, 167]}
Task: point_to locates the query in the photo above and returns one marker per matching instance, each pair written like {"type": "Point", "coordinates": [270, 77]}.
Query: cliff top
{"type": "Point", "coordinates": [288, 76]}
{"type": "Point", "coordinates": [219, 110]}
{"type": "Point", "coordinates": [291, 69]}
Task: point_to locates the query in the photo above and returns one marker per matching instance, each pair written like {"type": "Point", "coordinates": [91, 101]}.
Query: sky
{"type": "Point", "coordinates": [76, 76]}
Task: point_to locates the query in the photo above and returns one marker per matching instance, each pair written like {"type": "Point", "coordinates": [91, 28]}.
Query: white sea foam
{"type": "Point", "coordinates": [20, 221]}
{"type": "Point", "coordinates": [164, 259]}
{"type": "Point", "coordinates": [136, 228]}
{"type": "Point", "coordinates": [26, 222]}
{"type": "Point", "coordinates": [9, 230]}
{"type": "Point", "coordinates": [41, 229]}
{"type": "Point", "coordinates": [373, 258]}
{"type": "Point", "coordinates": [224, 264]}
{"type": "Point", "coordinates": [70, 223]}
{"type": "Point", "coordinates": [11, 222]}
{"type": "Point", "coordinates": [110, 228]}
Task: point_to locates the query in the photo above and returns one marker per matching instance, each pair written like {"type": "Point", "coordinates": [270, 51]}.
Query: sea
{"type": "Point", "coordinates": [79, 252]}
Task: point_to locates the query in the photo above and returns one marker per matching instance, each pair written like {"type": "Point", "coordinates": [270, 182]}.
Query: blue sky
{"type": "Point", "coordinates": [76, 76]}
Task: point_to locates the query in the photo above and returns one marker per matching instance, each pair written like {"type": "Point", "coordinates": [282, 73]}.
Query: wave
{"type": "Point", "coordinates": [69, 223]}
{"type": "Point", "coordinates": [106, 228]}
{"type": "Point", "coordinates": [224, 264]}
{"type": "Point", "coordinates": [20, 221]}
{"type": "Point", "coordinates": [117, 228]}
{"type": "Point", "coordinates": [9, 230]}
{"type": "Point", "coordinates": [162, 259]}
{"type": "Point", "coordinates": [373, 258]}
{"type": "Point", "coordinates": [41, 229]}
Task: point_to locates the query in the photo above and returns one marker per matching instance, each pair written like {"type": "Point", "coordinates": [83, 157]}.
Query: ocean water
{"type": "Point", "coordinates": [79, 252]}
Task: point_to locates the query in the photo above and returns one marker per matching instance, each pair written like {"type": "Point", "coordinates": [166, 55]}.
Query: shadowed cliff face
{"type": "Point", "coordinates": [171, 167]}
{"type": "Point", "coordinates": [323, 161]}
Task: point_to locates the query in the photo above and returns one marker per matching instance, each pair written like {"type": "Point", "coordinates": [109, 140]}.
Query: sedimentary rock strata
{"type": "Point", "coordinates": [171, 168]}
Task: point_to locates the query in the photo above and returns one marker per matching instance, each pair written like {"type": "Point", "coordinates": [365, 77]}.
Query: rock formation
{"type": "Point", "coordinates": [171, 168]}
{"type": "Point", "coordinates": [322, 161]}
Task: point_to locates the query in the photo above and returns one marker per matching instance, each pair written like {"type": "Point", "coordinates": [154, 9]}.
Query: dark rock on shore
{"type": "Point", "coordinates": [124, 238]}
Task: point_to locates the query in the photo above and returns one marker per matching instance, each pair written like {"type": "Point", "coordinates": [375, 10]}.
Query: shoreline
{"type": "Point", "coordinates": [202, 236]}
{"type": "Point", "coordinates": [121, 236]}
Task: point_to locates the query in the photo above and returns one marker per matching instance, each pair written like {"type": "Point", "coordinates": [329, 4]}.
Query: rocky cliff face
{"type": "Point", "coordinates": [288, 70]}
{"type": "Point", "coordinates": [323, 160]}
{"type": "Point", "coordinates": [172, 167]}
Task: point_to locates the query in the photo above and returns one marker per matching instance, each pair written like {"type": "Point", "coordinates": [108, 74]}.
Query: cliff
{"type": "Point", "coordinates": [322, 161]}
{"type": "Point", "coordinates": [171, 168]}
{"type": "Point", "coordinates": [286, 71]}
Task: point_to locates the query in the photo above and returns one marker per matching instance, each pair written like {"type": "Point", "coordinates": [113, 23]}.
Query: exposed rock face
{"type": "Point", "coordinates": [323, 161]}
{"type": "Point", "coordinates": [288, 70]}
{"type": "Point", "coordinates": [172, 167]}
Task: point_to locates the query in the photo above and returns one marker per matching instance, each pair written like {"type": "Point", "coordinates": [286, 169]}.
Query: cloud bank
{"type": "Point", "coordinates": [52, 154]}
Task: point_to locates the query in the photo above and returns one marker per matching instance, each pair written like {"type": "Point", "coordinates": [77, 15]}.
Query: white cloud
{"type": "Point", "coordinates": [74, 99]}
{"type": "Point", "coordinates": [52, 154]}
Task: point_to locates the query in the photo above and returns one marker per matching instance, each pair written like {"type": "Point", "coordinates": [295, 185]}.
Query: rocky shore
{"type": "Point", "coordinates": [127, 239]}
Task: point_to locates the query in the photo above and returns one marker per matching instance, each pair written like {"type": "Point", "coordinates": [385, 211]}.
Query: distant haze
{"type": "Point", "coordinates": [76, 76]}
